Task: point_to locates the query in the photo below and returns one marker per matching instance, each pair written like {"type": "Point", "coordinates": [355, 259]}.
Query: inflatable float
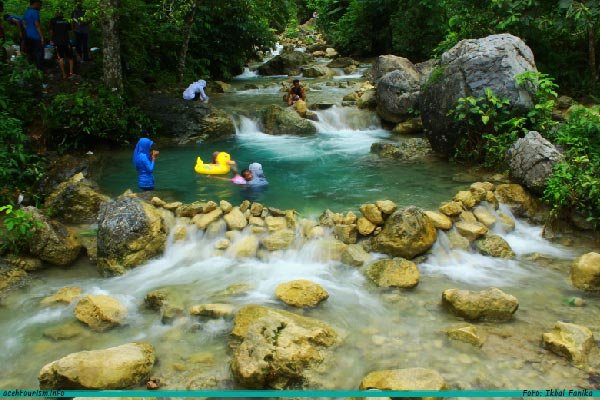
{"type": "Point", "coordinates": [220, 168]}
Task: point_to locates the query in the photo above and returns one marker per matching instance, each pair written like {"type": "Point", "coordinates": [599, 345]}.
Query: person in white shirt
{"type": "Point", "coordinates": [195, 91]}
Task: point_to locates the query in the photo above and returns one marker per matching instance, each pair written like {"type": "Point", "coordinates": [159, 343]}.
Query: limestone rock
{"type": "Point", "coordinates": [388, 63]}
{"type": "Point", "coordinates": [409, 149]}
{"type": "Point", "coordinates": [355, 255]}
{"type": "Point", "coordinates": [412, 126]}
{"type": "Point", "coordinates": [451, 208]}
{"type": "Point", "coordinates": [100, 312]}
{"type": "Point", "coordinates": [256, 209]}
{"type": "Point", "coordinates": [571, 341]}
{"type": "Point", "coordinates": [287, 63]}
{"type": "Point", "coordinates": [277, 349]}
{"type": "Point", "coordinates": [468, 334]}
{"type": "Point", "coordinates": [387, 207]}
{"type": "Point", "coordinates": [372, 213]}
{"type": "Point", "coordinates": [235, 219]}
{"type": "Point", "coordinates": [404, 379]}
{"type": "Point", "coordinates": [119, 367]}
{"type": "Point", "coordinates": [350, 218]}
{"type": "Point", "coordinates": [471, 230]}
{"type": "Point", "coordinates": [585, 272]}
{"type": "Point", "coordinates": [285, 121]}
{"type": "Point", "coordinates": [52, 241]}
{"type": "Point", "coordinates": [467, 216]}
{"type": "Point", "coordinates": [407, 233]}
{"type": "Point", "coordinates": [365, 227]}
{"type": "Point", "coordinates": [346, 233]}
{"type": "Point", "coordinates": [330, 249]}
{"type": "Point", "coordinates": [484, 216]}
{"type": "Point", "coordinates": [394, 273]}
{"type": "Point", "coordinates": [222, 244]}
{"type": "Point", "coordinates": [64, 295]}
{"type": "Point", "coordinates": [521, 203]}
{"type": "Point", "coordinates": [245, 247]}
{"type": "Point", "coordinates": [195, 208]}
{"type": "Point", "coordinates": [66, 331]}
{"type": "Point", "coordinates": [488, 305]}
{"type": "Point", "coordinates": [11, 278]}
{"type": "Point", "coordinates": [457, 241]}
{"type": "Point", "coordinates": [466, 198]}
{"type": "Point", "coordinates": [368, 100]}
{"type": "Point", "coordinates": [301, 293]}
{"type": "Point", "coordinates": [440, 221]}
{"type": "Point", "coordinates": [172, 206]}
{"type": "Point", "coordinates": [494, 246]}
{"type": "Point", "coordinates": [225, 206]}
{"type": "Point", "coordinates": [130, 232]}
{"type": "Point", "coordinates": [279, 240]}
{"type": "Point", "coordinates": [202, 221]}
{"type": "Point", "coordinates": [316, 71]}
{"type": "Point", "coordinates": [531, 161]}
{"type": "Point", "coordinates": [342, 62]}
{"type": "Point", "coordinates": [508, 224]}
{"type": "Point", "coordinates": [25, 263]}
{"type": "Point", "coordinates": [275, 223]}
{"type": "Point", "coordinates": [213, 310]}
{"type": "Point", "coordinates": [156, 299]}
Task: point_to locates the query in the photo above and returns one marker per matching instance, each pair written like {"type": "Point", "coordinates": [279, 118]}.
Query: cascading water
{"type": "Point", "coordinates": [247, 74]}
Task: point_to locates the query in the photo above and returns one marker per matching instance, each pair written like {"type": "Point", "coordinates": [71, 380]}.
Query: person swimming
{"type": "Point", "coordinates": [256, 174]}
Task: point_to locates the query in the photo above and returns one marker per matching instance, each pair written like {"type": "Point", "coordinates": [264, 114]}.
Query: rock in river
{"type": "Point", "coordinates": [285, 121]}
{"type": "Point", "coordinates": [571, 341]}
{"type": "Point", "coordinates": [398, 272]}
{"type": "Point", "coordinates": [585, 272]}
{"type": "Point", "coordinates": [404, 379]}
{"type": "Point", "coordinates": [301, 293]}
{"type": "Point", "coordinates": [489, 305]}
{"type": "Point", "coordinates": [100, 312]}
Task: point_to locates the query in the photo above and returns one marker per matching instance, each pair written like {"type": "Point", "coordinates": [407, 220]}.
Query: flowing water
{"type": "Point", "coordinates": [381, 329]}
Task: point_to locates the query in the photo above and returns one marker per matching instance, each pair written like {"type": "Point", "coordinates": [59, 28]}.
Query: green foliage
{"type": "Point", "coordinates": [575, 182]}
{"type": "Point", "coordinates": [90, 114]}
{"type": "Point", "coordinates": [17, 228]}
{"type": "Point", "coordinates": [491, 125]}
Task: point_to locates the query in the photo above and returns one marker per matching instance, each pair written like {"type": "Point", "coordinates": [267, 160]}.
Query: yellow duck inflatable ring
{"type": "Point", "coordinates": [220, 168]}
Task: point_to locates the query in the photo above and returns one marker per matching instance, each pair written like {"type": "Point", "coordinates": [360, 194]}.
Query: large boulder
{"type": "Point", "coordinates": [398, 272]}
{"type": "Point", "coordinates": [398, 94]}
{"type": "Point", "coordinates": [52, 241]}
{"type": "Point", "coordinates": [301, 293]}
{"type": "Point", "coordinates": [287, 63]}
{"type": "Point", "coordinates": [388, 63]}
{"type": "Point", "coordinates": [119, 367]}
{"type": "Point", "coordinates": [571, 341]}
{"type": "Point", "coordinates": [489, 305]}
{"type": "Point", "coordinates": [130, 231]}
{"type": "Point", "coordinates": [279, 240]}
{"type": "Point", "coordinates": [100, 312]}
{"type": "Point", "coordinates": [531, 160]}
{"type": "Point", "coordinates": [407, 233]}
{"type": "Point", "coordinates": [278, 349]}
{"type": "Point", "coordinates": [520, 202]}
{"type": "Point", "coordinates": [316, 71]}
{"type": "Point", "coordinates": [468, 69]}
{"type": "Point", "coordinates": [188, 121]}
{"type": "Point", "coordinates": [76, 201]}
{"type": "Point", "coordinates": [494, 246]}
{"type": "Point", "coordinates": [342, 62]}
{"type": "Point", "coordinates": [285, 121]}
{"type": "Point", "coordinates": [410, 149]}
{"type": "Point", "coordinates": [585, 272]}
{"type": "Point", "coordinates": [404, 379]}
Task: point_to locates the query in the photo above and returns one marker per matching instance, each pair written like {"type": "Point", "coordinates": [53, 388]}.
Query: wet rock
{"type": "Point", "coordinates": [457, 241]}
{"type": "Point", "coordinates": [213, 310]}
{"type": "Point", "coordinates": [387, 207]}
{"type": "Point", "coordinates": [285, 121]}
{"type": "Point", "coordinates": [219, 87]}
{"type": "Point", "coordinates": [398, 94]}
{"type": "Point", "coordinates": [468, 334]}
{"type": "Point", "coordinates": [346, 233]}
{"type": "Point", "coordinates": [372, 213]}
{"type": "Point", "coordinates": [330, 249]}
{"type": "Point", "coordinates": [222, 244]}
{"type": "Point", "coordinates": [412, 126]}
{"type": "Point", "coordinates": [52, 241]}
{"type": "Point", "coordinates": [350, 218]}
{"type": "Point", "coordinates": [275, 223]}
{"type": "Point", "coordinates": [202, 221]}
{"type": "Point", "coordinates": [180, 234]}
{"type": "Point", "coordinates": [225, 206]}
{"type": "Point", "coordinates": [531, 161]}
{"type": "Point", "coordinates": [130, 232]}
{"type": "Point", "coordinates": [342, 62]}
{"type": "Point", "coordinates": [508, 224]}
{"type": "Point", "coordinates": [407, 233]}
{"type": "Point", "coordinates": [468, 69]}
{"type": "Point", "coordinates": [235, 219]}
{"type": "Point", "coordinates": [287, 63]}
{"type": "Point", "coordinates": [100, 312]}
{"type": "Point", "coordinates": [480, 189]}
{"type": "Point", "coordinates": [368, 100]}
{"type": "Point", "coordinates": [471, 230]}
{"type": "Point", "coordinates": [316, 71]}
{"type": "Point", "coordinates": [398, 272]}
{"type": "Point", "coordinates": [76, 201]}
{"type": "Point", "coordinates": [585, 272]}
{"type": "Point", "coordinates": [355, 255]}
{"type": "Point", "coordinates": [488, 305]}
{"type": "Point", "coordinates": [246, 247]}
{"type": "Point", "coordinates": [277, 349]}
{"type": "Point", "coordinates": [290, 219]}
{"type": "Point", "coordinates": [404, 379]}
{"type": "Point", "coordinates": [484, 216]}
{"type": "Point", "coordinates": [494, 246]}
{"type": "Point", "coordinates": [279, 240]}
{"type": "Point", "coordinates": [195, 208]}
{"type": "Point", "coordinates": [172, 206]}
{"type": "Point", "coordinates": [256, 221]}
{"type": "Point", "coordinates": [66, 331]}
{"type": "Point", "coordinates": [440, 221]}
{"type": "Point", "coordinates": [520, 202]}
{"type": "Point", "coordinates": [64, 295]}
{"type": "Point", "coordinates": [256, 209]}
{"type": "Point", "coordinates": [350, 69]}
{"type": "Point", "coordinates": [365, 227]}
{"type": "Point", "coordinates": [11, 278]}
{"type": "Point", "coordinates": [156, 299]}
{"type": "Point", "coordinates": [170, 312]}
{"type": "Point", "coordinates": [388, 63]}
{"type": "Point", "coordinates": [574, 342]}
{"type": "Point", "coordinates": [25, 263]}
{"type": "Point", "coordinates": [451, 208]}
{"type": "Point", "coordinates": [467, 216]}
{"type": "Point", "coordinates": [466, 198]}
{"type": "Point", "coordinates": [321, 106]}
{"type": "Point", "coordinates": [119, 367]}
{"type": "Point", "coordinates": [351, 97]}
{"type": "Point", "coordinates": [301, 293]}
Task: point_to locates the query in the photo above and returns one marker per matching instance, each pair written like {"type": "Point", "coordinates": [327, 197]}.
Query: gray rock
{"type": "Point", "coordinates": [342, 62]}
{"type": "Point", "coordinates": [288, 63]}
{"type": "Point", "coordinates": [406, 150]}
{"type": "Point", "coordinates": [425, 69]}
{"type": "Point", "coordinates": [388, 63]}
{"type": "Point", "coordinates": [468, 69]}
{"type": "Point", "coordinates": [531, 161]}
{"type": "Point", "coordinates": [398, 94]}
{"type": "Point", "coordinates": [316, 71]}
{"type": "Point", "coordinates": [285, 121]}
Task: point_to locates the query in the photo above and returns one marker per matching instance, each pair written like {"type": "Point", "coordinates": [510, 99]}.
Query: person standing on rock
{"type": "Point", "coordinates": [143, 160]}
{"type": "Point", "coordinates": [296, 93]}
{"type": "Point", "coordinates": [195, 91]}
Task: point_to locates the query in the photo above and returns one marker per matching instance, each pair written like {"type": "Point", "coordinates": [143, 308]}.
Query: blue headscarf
{"type": "Point", "coordinates": [258, 176]}
{"type": "Point", "coordinates": [142, 147]}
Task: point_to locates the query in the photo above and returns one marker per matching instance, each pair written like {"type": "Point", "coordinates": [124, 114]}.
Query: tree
{"type": "Point", "coordinates": [586, 18]}
{"type": "Point", "coordinates": [111, 52]}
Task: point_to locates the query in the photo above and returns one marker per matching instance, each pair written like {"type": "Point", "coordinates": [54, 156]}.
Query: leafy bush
{"type": "Point", "coordinates": [575, 182]}
{"type": "Point", "coordinates": [89, 114]}
{"type": "Point", "coordinates": [17, 229]}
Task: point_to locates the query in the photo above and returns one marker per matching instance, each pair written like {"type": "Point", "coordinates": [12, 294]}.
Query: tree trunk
{"type": "Point", "coordinates": [111, 53]}
{"type": "Point", "coordinates": [187, 33]}
{"type": "Point", "coordinates": [592, 53]}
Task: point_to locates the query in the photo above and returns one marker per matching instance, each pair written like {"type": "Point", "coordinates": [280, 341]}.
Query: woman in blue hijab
{"type": "Point", "coordinates": [143, 159]}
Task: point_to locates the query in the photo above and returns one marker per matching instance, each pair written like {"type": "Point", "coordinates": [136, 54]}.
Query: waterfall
{"type": "Point", "coordinates": [347, 119]}
{"type": "Point", "coordinates": [247, 74]}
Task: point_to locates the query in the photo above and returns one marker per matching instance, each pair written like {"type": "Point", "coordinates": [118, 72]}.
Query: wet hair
{"type": "Point", "coordinates": [296, 81]}
{"type": "Point", "coordinates": [245, 171]}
